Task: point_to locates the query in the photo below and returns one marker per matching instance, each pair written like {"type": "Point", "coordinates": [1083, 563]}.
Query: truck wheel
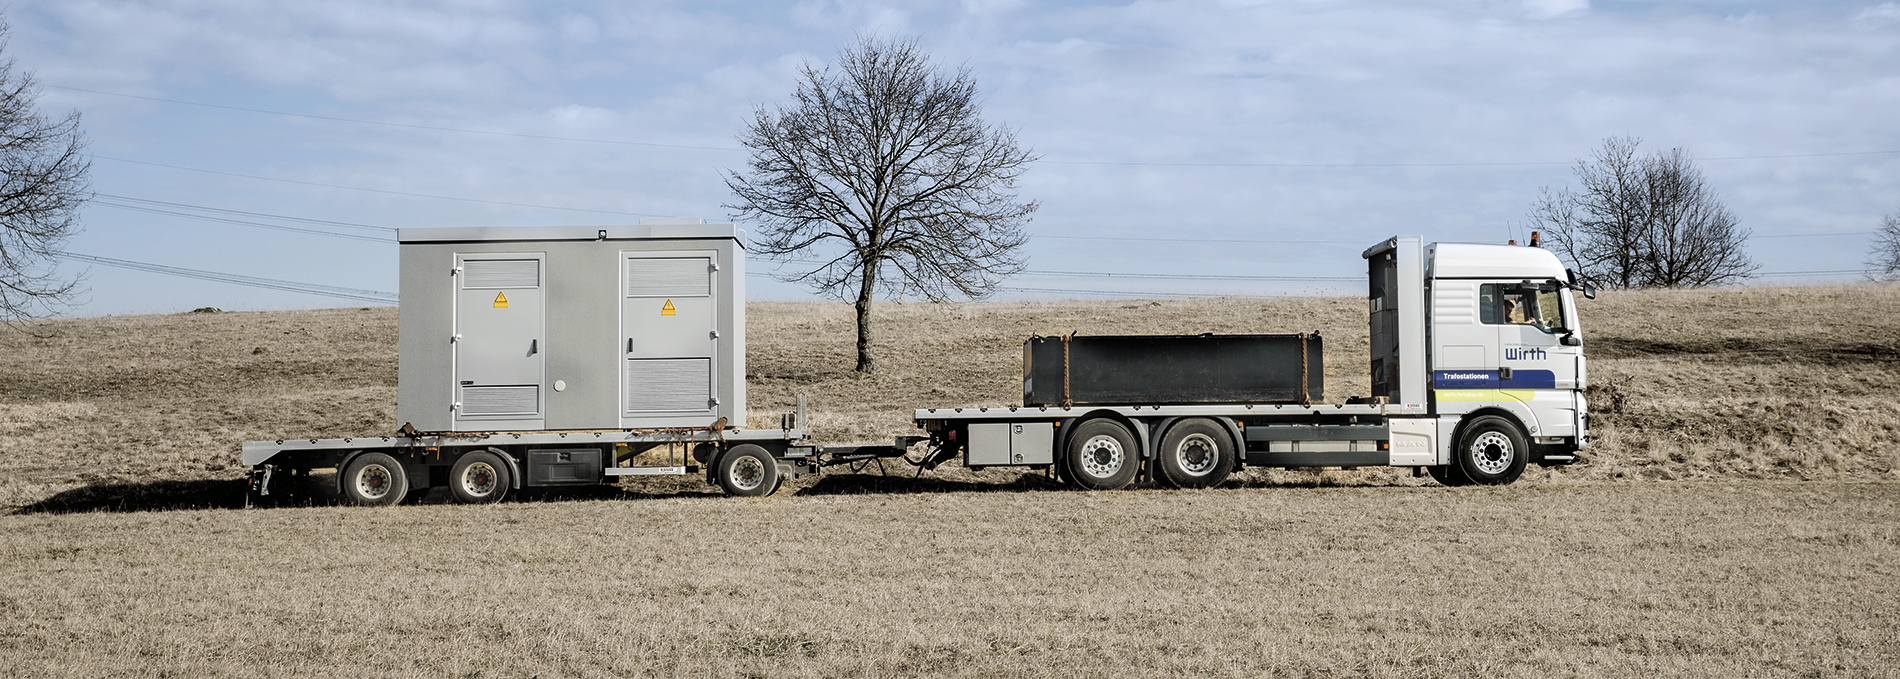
{"type": "Point", "coordinates": [374, 480]}
{"type": "Point", "coordinates": [1196, 453]}
{"type": "Point", "coordinates": [1101, 456]}
{"type": "Point", "coordinates": [479, 477]}
{"type": "Point", "coordinates": [748, 471]}
{"type": "Point", "coordinates": [1491, 452]}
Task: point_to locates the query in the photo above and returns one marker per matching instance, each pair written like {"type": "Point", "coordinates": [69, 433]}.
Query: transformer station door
{"type": "Point", "coordinates": [669, 325]}
{"type": "Point", "coordinates": [499, 342]}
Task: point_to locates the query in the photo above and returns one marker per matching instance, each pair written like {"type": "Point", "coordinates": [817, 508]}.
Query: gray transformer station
{"type": "Point", "coordinates": [572, 328]}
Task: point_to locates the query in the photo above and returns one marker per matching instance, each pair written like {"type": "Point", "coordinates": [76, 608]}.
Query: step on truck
{"type": "Point", "coordinates": [548, 357]}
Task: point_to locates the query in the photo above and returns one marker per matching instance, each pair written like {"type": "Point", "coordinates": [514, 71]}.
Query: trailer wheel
{"type": "Point", "coordinates": [1491, 452]}
{"type": "Point", "coordinates": [374, 480]}
{"type": "Point", "coordinates": [479, 477]}
{"type": "Point", "coordinates": [748, 471]}
{"type": "Point", "coordinates": [1196, 453]}
{"type": "Point", "coordinates": [1101, 456]}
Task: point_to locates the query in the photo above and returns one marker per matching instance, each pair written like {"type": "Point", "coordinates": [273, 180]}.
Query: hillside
{"type": "Point", "coordinates": [1794, 383]}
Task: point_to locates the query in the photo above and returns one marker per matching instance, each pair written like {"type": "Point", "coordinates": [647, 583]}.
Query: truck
{"type": "Point", "coordinates": [547, 357]}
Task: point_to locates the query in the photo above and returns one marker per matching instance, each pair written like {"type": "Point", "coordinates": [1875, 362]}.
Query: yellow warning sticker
{"type": "Point", "coordinates": [501, 301]}
{"type": "Point", "coordinates": [668, 310]}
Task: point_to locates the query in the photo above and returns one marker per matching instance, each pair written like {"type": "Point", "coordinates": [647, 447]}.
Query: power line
{"type": "Point", "coordinates": [1188, 276]}
{"type": "Point", "coordinates": [389, 124]}
{"type": "Point", "coordinates": [360, 121]}
{"type": "Point", "coordinates": [1405, 165]}
{"type": "Point", "coordinates": [1118, 293]}
{"type": "Point", "coordinates": [357, 294]}
{"type": "Point", "coordinates": [358, 188]}
{"type": "Point", "coordinates": [1838, 272]}
{"type": "Point", "coordinates": [240, 222]}
{"type": "Point", "coordinates": [207, 208]}
{"type": "Point", "coordinates": [1205, 240]}
{"type": "Point", "coordinates": [1807, 235]}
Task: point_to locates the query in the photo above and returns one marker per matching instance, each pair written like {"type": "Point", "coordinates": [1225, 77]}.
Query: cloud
{"type": "Point", "coordinates": [1884, 14]}
{"type": "Point", "coordinates": [1318, 85]}
{"type": "Point", "coordinates": [1545, 9]}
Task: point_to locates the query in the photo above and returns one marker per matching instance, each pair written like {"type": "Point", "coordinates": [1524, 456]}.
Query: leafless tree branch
{"type": "Point", "coordinates": [44, 179]}
{"type": "Point", "coordinates": [1883, 259]}
{"type": "Point", "coordinates": [885, 169]}
{"type": "Point", "coordinates": [1643, 221]}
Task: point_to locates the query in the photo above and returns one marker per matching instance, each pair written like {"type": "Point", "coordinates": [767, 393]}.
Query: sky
{"type": "Point", "coordinates": [1188, 148]}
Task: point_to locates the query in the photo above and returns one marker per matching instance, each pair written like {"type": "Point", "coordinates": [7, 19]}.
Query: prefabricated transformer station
{"type": "Point", "coordinates": [572, 328]}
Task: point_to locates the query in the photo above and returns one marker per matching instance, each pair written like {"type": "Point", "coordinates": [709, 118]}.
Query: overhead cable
{"type": "Point", "coordinates": [357, 294]}
{"type": "Point", "coordinates": [358, 188]}
{"type": "Point", "coordinates": [240, 222]}
{"type": "Point", "coordinates": [360, 121]}
{"type": "Point", "coordinates": [352, 225]}
{"type": "Point", "coordinates": [1049, 162]}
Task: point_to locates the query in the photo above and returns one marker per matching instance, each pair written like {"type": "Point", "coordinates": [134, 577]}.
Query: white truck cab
{"type": "Point", "coordinates": [1476, 331]}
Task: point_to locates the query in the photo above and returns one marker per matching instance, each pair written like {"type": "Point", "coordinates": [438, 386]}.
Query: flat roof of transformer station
{"type": "Point", "coordinates": [644, 231]}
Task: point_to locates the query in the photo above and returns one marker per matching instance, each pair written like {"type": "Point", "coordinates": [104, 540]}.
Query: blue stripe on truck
{"type": "Point", "coordinates": [1488, 379]}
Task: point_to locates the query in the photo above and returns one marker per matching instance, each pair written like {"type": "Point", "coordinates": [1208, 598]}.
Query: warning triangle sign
{"type": "Point", "coordinates": [668, 310]}
{"type": "Point", "coordinates": [501, 301]}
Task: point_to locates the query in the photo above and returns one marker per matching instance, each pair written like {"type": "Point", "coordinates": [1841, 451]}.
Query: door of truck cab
{"type": "Point", "coordinates": [1500, 343]}
{"type": "Point", "coordinates": [1535, 366]}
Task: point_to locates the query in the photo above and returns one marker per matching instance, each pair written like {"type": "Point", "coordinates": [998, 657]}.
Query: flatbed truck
{"type": "Point", "coordinates": [1476, 366]}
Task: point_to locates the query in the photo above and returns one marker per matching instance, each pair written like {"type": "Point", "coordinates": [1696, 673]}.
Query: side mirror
{"type": "Point", "coordinates": [1580, 283]}
{"type": "Point", "coordinates": [1570, 340]}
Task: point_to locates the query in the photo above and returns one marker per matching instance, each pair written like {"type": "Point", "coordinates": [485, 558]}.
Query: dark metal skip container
{"type": "Point", "coordinates": [1172, 369]}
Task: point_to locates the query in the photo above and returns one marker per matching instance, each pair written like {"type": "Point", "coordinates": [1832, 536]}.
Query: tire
{"type": "Point", "coordinates": [480, 477]}
{"type": "Point", "coordinates": [374, 480]}
{"type": "Point", "coordinates": [1491, 451]}
{"type": "Point", "coordinates": [748, 471]}
{"type": "Point", "coordinates": [1448, 475]}
{"type": "Point", "coordinates": [1196, 453]}
{"type": "Point", "coordinates": [1101, 455]}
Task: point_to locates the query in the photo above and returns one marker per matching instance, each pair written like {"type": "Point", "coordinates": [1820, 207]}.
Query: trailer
{"type": "Point", "coordinates": [546, 357]}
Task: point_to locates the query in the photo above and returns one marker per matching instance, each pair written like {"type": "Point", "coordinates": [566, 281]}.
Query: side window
{"type": "Point", "coordinates": [1488, 304]}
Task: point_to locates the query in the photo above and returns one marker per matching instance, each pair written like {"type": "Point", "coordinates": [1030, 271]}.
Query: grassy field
{"type": "Point", "coordinates": [1736, 519]}
{"type": "Point", "coordinates": [148, 411]}
{"type": "Point", "coordinates": [1692, 579]}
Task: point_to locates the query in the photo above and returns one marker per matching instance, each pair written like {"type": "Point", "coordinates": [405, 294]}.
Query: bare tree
{"type": "Point", "coordinates": [44, 178]}
{"type": "Point", "coordinates": [885, 177]}
{"type": "Point", "coordinates": [1643, 221]}
{"type": "Point", "coordinates": [1883, 261]}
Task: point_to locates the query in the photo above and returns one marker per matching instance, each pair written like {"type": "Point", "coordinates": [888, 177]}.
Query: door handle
{"type": "Point", "coordinates": [534, 346]}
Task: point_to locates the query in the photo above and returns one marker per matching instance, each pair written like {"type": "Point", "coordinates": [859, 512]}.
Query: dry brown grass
{"type": "Point", "coordinates": [1791, 383]}
{"type": "Point", "coordinates": [1691, 579]}
{"type": "Point", "coordinates": [968, 574]}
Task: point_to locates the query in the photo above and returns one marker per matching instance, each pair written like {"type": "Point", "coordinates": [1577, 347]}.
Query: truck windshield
{"type": "Point", "coordinates": [1504, 304]}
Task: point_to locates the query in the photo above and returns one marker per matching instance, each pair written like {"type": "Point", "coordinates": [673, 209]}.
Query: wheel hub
{"type": "Point", "coordinates": [479, 479]}
{"type": "Point", "coordinates": [373, 481]}
{"type": "Point", "coordinates": [1491, 452]}
{"type": "Point", "coordinates": [1102, 457]}
{"type": "Point", "coordinates": [1196, 454]}
{"type": "Point", "coordinates": [747, 473]}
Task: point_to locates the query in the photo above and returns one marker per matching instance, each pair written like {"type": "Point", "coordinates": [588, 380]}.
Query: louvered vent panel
{"type": "Point", "coordinates": [523, 400]}
{"type": "Point", "coordinates": [648, 277]}
{"type": "Point", "coordinates": [501, 273]}
{"type": "Point", "coordinates": [669, 384]}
